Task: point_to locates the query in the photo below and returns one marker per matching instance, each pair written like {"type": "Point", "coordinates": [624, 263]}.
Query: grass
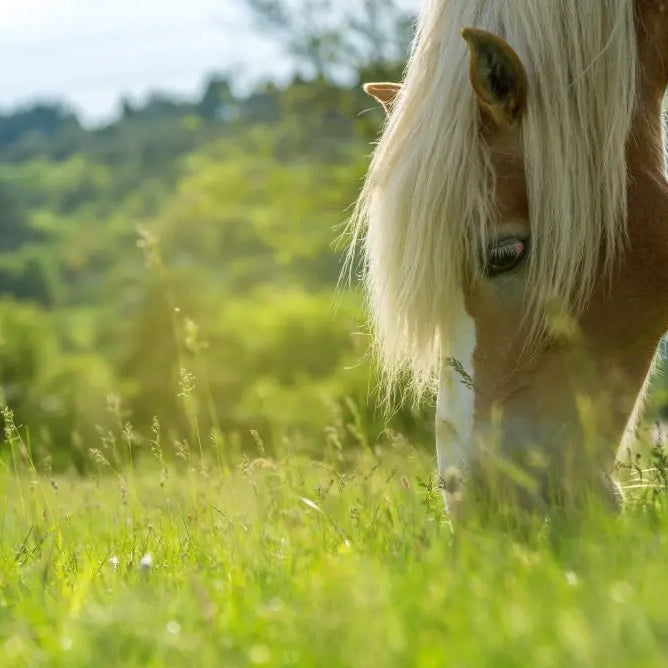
{"type": "Point", "coordinates": [338, 562]}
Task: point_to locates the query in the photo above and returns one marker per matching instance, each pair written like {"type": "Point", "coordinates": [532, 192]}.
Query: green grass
{"type": "Point", "coordinates": [306, 563]}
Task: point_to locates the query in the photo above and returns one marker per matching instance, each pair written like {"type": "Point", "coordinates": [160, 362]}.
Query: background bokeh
{"type": "Point", "coordinates": [174, 177]}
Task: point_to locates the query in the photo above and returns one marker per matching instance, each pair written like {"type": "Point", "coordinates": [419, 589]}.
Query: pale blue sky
{"type": "Point", "coordinates": [89, 52]}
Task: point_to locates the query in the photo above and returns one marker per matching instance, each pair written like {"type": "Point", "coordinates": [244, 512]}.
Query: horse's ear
{"type": "Point", "coordinates": [498, 77]}
{"type": "Point", "coordinates": [385, 93]}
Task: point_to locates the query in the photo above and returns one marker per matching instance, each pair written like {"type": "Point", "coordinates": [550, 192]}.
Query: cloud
{"type": "Point", "coordinates": [91, 53]}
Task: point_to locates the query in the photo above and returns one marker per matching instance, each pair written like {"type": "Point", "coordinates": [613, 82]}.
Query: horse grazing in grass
{"type": "Point", "coordinates": [514, 230]}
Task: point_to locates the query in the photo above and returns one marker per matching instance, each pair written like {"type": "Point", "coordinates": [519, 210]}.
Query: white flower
{"type": "Point", "coordinates": [146, 562]}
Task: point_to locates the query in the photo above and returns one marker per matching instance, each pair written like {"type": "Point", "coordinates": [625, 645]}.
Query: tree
{"type": "Point", "coordinates": [29, 128]}
{"type": "Point", "coordinates": [335, 42]}
{"type": "Point", "coordinates": [15, 227]}
{"type": "Point", "coordinates": [218, 101]}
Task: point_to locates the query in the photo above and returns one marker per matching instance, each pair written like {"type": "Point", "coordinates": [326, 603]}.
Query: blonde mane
{"type": "Point", "coordinates": [424, 213]}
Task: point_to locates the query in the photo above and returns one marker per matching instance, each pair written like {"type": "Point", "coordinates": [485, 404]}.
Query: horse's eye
{"type": "Point", "coordinates": [504, 256]}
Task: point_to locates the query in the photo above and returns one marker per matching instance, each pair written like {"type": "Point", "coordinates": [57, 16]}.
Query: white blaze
{"type": "Point", "coordinates": [455, 406]}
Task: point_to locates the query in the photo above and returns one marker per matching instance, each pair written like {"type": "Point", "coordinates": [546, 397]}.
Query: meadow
{"type": "Point", "coordinates": [347, 559]}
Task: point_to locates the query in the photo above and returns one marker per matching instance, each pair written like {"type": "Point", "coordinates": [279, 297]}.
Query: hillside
{"type": "Point", "coordinates": [184, 243]}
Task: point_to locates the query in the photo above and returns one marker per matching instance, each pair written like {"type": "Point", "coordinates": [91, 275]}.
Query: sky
{"type": "Point", "coordinates": [91, 52]}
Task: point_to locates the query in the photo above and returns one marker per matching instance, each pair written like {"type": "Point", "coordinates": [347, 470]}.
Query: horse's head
{"type": "Point", "coordinates": [518, 233]}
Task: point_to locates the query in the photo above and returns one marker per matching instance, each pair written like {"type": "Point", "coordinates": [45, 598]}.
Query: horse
{"type": "Point", "coordinates": [513, 229]}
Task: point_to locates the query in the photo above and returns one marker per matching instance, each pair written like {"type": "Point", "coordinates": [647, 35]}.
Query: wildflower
{"type": "Point", "coordinates": [146, 563]}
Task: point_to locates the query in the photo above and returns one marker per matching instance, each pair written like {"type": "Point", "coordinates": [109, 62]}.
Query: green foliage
{"type": "Point", "coordinates": [58, 396]}
{"type": "Point", "coordinates": [38, 129]}
{"type": "Point", "coordinates": [188, 241]}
